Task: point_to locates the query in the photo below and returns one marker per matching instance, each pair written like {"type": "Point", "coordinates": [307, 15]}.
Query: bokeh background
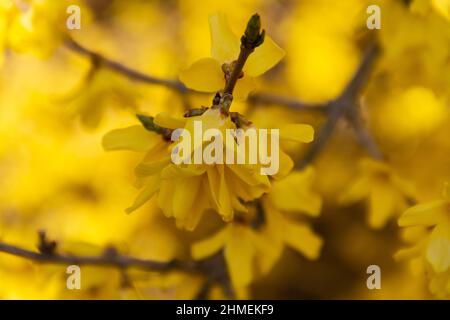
{"type": "Point", "coordinates": [55, 108]}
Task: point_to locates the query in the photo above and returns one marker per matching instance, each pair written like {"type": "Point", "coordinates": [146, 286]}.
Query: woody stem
{"type": "Point", "coordinates": [237, 70]}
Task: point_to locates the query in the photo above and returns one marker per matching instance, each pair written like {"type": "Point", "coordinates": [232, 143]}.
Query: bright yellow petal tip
{"type": "Point", "coordinates": [204, 75]}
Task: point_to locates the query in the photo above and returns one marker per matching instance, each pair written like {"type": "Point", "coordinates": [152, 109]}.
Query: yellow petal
{"type": "Point", "coordinates": [427, 214]}
{"type": "Point", "coordinates": [184, 197]}
{"type": "Point", "coordinates": [165, 120]}
{"type": "Point", "coordinates": [265, 57]}
{"type": "Point", "coordinates": [150, 168]}
{"type": "Point", "coordinates": [296, 186]}
{"type": "Point", "coordinates": [201, 204]}
{"type": "Point", "coordinates": [219, 192]}
{"type": "Point", "coordinates": [239, 255]}
{"type": "Point", "coordinates": [177, 171]}
{"type": "Point", "coordinates": [357, 191]}
{"type": "Point", "coordinates": [151, 186]}
{"type": "Point", "coordinates": [135, 138]}
{"type": "Point", "coordinates": [285, 166]}
{"type": "Point", "coordinates": [297, 132]}
{"type": "Point", "coordinates": [237, 205]}
{"type": "Point", "coordinates": [249, 174]}
{"type": "Point", "coordinates": [205, 75]}
{"type": "Point", "coordinates": [165, 196]}
{"type": "Point", "coordinates": [302, 239]}
{"type": "Point", "coordinates": [243, 88]}
{"type": "Point", "coordinates": [225, 45]}
{"type": "Point", "coordinates": [382, 205]}
{"type": "Point", "coordinates": [442, 7]}
{"type": "Point", "coordinates": [409, 253]}
{"type": "Point", "coordinates": [241, 189]}
{"type": "Point", "coordinates": [154, 162]}
{"type": "Point", "coordinates": [438, 251]}
{"type": "Point", "coordinates": [209, 246]}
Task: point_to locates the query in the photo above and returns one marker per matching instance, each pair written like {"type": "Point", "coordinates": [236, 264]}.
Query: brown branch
{"type": "Point", "coordinates": [214, 267]}
{"type": "Point", "coordinates": [237, 70]}
{"type": "Point", "coordinates": [109, 258]}
{"type": "Point", "coordinates": [346, 106]}
{"type": "Point", "coordinates": [253, 37]}
{"type": "Point", "coordinates": [342, 107]}
{"type": "Point", "coordinates": [268, 99]}
{"type": "Point", "coordinates": [126, 71]}
{"type": "Point", "coordinates": [260, 98]}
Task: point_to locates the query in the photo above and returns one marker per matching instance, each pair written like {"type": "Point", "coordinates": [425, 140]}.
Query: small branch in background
{"type": "Point", "coordinates": [260, 98]}
{"type": "Point", "coordinates": [214, 267]}
{"type": "Point", "coordinates": [268, 99]}
{"type": "Point", "coordinates": [363, 135]}
{"type": "Point", "coordinates": [128, 72]}
{"type": "Point", "coordinates": [105, 260]}
{"type": "Point", "coordinates": [346, 106]}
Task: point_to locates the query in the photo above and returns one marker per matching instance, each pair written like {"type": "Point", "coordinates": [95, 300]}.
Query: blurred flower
{"type": "Point", "coordinates": [441, 7]}
{"type": "Point", "coordinates": [412, 113]}
{"type": "Point", "coordinates": [432, 248]}
{"type": "Point", "coordinates": [251, 250]}
{"type": "Point", "coordinates": [385, 191]}
{"type": "Point", "coordinates": [39, 26]}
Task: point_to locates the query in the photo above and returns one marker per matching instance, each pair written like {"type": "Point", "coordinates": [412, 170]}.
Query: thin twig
{"type": "Point", "coordinates": [237, 70]}
{"type": "Point", "coordinates": [268, 98]}
{"type": "Point", "coordinates": [347, 102]}
{"type": "Point", "coordinates": [109, 258]}
{"type": "Point", "coordinates": [363, 135]}
{"type": "Point", "coordinates": [120, 68]}
{"type": "Point", "coordinates": [259, 97]}
{"type": "Point", "coordinates": [347, 106]}
{"type": "Point", "coordinates": [214, 267]}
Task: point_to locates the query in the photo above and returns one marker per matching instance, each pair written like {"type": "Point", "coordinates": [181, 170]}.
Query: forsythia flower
{"type": "Point", "coordinates": [185, 191]}
{"type": "Point", "coordinates": [432, 248]}
{"type": "Point", "coordinates": [209, 74]}
{"type": "Point", "coordinates": [385, 191]}
{"type": "Point", "coordinates": [408, 114]}
{"type": "Point", "coordinates": [38, 26]}
{"type": "Point", "coordinates": [250, 250]}
{"type": "Point", "coordinates": [281, 209]}
{"type": "Point", "coordinates": [4, 8]}
{"type": "Point", "coordinates": [441, 7]}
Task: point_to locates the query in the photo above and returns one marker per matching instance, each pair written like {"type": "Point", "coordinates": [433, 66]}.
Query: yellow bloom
{"type": "Point", "coordinates": [282, 211]}
{"type": "Point", "coordinates": [39, 26]}
{"type": "Point", "coordinates": [251, 250]}
{"type": "Point", "coordinates": [408, 114]}
{"type": "Point", "coordinates": [385, 191]}
{"type": "Point", "coordinates": [208, 74]}
{"type": "Point", "coordinates": [431, 248]}
{"type": "Point", "coordinates": [441, 7]}
{"type": "Point", "coordinates": [4, 9]}
{"type": "Point", "coordinates": [185, 191]}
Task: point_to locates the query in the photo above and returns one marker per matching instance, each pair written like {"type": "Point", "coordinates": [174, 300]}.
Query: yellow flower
{"type": "Point", "coordinates": [431, 248]}
{"type": "Point", "coordinates": [321, 52]}
{"type": "Point", "coordinates": [251, 250]}
{"type": "Point", "coordinates": [385, 191]}
{"type": "Point", "coordinates": [291, 198]}
{"type": "Point", "coordinates": [208, 74]}
{"type": "Point", "coordinates": [185, 191]}
{"type": "Point", "coordinates": [441, 7]}
{"type": "Point", "coordinates": [408, 114]}
{"type": "Point", "coordinates": [4, 10]}
{"type": "Point", "coordinates": [39, 26]}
